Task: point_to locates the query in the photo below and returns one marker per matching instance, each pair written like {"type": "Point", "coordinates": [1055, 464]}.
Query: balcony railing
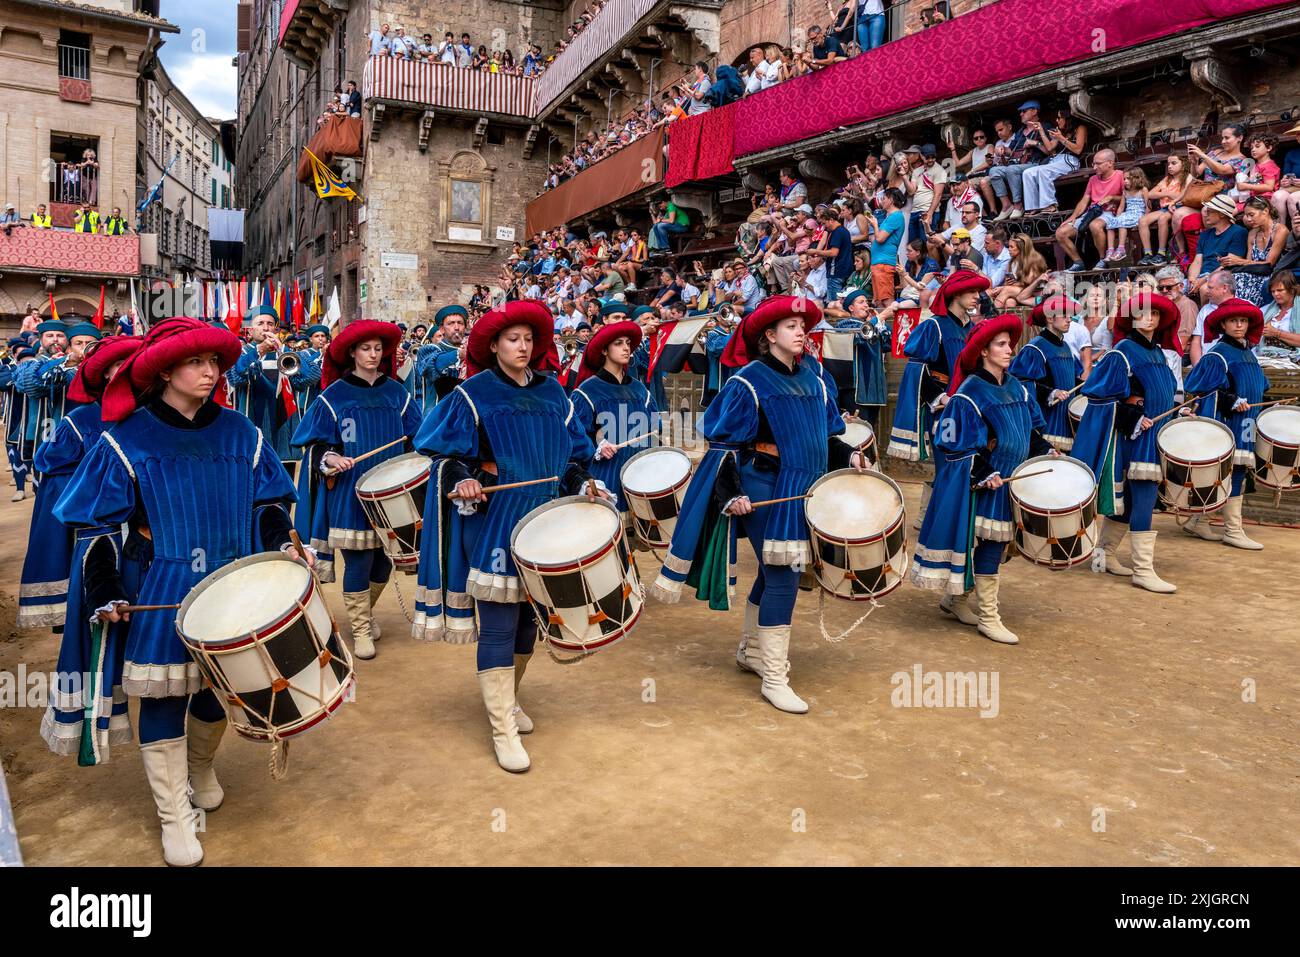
{"type": "Point", "coordinates": [610, 26]}
{"type": "Point", "coordinates": [28, 249]}
{"type": "Point", "coordinates": [74, 183]}
{"type": "Point", "coordinates": [442, 85]}
{"type": "Point", "coordinates": [74, 74]}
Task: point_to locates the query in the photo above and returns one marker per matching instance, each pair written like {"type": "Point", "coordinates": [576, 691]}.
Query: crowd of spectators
{"type": "Point", "coordinates": [85, 219]}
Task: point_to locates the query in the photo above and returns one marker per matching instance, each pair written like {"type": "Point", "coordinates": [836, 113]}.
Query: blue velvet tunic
{"type": "Point", "coordinates": [45, 382]}
{"type": "Point", "coordinates": [530, 432]}
{"type": "Point", "coordinates": [351, 418]}
{"type": "Point", "coordinates": [932, 349]}
{"type": "Point", "coordinates": [43, 593]}
{"type": "Point", "coordinates": [1134, 369]}
{"type": "Point", "coordinates": [985, 428]}
{"type": "Point", "coordinates": [615, 412]}
{"type": "Point", "coordinates": [1044, 364]}
{"type": "Point", "coordinates": [1229, 371]}
{"type": "Point", "coordinates": [802, 413]}
{"type": "Point", "coordinates": [198, 490]}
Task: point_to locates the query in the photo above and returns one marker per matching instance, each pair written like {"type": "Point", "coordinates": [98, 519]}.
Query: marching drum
{"type": "Point", "coordinates": [1055, 515]}
{"type": "Point", "coordinates": [1078, 405]}
{"type": "Point", "coordinates": [263, 637]}
{"type": "Point", "coordinates": [654, 484]}
{"type": "Point", "coordinates": [1277, 448]}
{"type": "Point", "coordinates": [574, 564]}
{"type": "Point", "coordinates": [859, 534]}
{"type": "Point", "coordinates": [392, 495]}
{"type": "Point", "coordinates": [1196, 458]}
{"type": "Point", "coordinates": [859, 436]}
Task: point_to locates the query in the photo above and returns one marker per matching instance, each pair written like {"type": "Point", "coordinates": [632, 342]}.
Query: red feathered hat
{"type": "Point", "coordinates": [593, 357]}
{"type": "Point", "coordinates": [164, 345]}
{"type": "Point", "coordinates": [981, 334]}
{"type": "Point", "coordinates": [1057, 305]}
{"type": "Point", "coordinates": [338, 360]}
{"type": "Point", "coordinates": [1232, 309]}
{"type": "Point", "coordinates": [1166, 334]}
{"type": "Point", "coordinates": [91, 378]}
{"type": "Point", "coordinates": [743, 344]}
{"type": "Point", "coordinates": [519, 312]}
{"type": "Point", "coordinates": [963, 280]}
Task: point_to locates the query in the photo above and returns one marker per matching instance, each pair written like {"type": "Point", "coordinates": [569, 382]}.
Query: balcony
{"type": "Point", "coordinates": [420, 85]}
{"type": "Point", "coordinates": [305, 28]}
{"type": "Point", "coordinates": [617, 55]}
{"type": "Point", "coordinates": [30, 250]}
{"type": "Point", "coordinates": [74, 73]}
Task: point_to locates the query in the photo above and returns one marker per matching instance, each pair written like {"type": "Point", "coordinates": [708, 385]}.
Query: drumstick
{"type": "Point", "coordinates": [366, 455]}
{"type": "Point", "coordinates": [134, 608]}
{"type": "Point", "coordinates": [499, 488]}
{"type": "Point", "coordinates": [297, 543]}
{"type": "Point", "coordinates": [635, 438]}
{"type": "Point", "coordinates": [1157, 418]}
{"type": "Point", "coordinates": [1255, 405]}
{"type": "Point", "coordinates": [773, 501]}
{"type": "Point", "coordinates": [1068, 394]}
{"type": "Point", "coordinates": [1017, 478]}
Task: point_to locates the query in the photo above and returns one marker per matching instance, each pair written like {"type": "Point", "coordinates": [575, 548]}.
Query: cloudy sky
{"type": "Point", "coordinates": [198, 59]}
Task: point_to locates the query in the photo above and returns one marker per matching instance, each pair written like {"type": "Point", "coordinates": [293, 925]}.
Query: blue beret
{"type": "Point", "coordinates": [262, 311]}
{"type": "Point", "coordinates": [851, 296]}
{"type": "Point", "coordinates": [614, 308]}
{"type": "Point", "coordinates": [50, 325]}
{"type": "Point", "coordinates": [26, 352]}
{"type": "Point", "coordinates": [447, 311]}
{"type": "Point", "coordinates": [640, 311]}
{"type": "Point", "coordinates": [83, 329]}
{"type": "Point", "coordinates": [310, 331]}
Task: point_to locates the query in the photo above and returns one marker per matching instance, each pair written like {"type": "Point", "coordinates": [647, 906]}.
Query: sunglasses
{"type": "Point", "coordinates": [1170, 287]}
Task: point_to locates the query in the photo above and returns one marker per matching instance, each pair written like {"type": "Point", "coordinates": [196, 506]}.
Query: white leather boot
{"type": "Point", "coordinates": [376, 589]}
{"type": "Point", "coordinates": [959, 606]}
{"type": "Point", "coordinates": [1112, 533]}
{"type": "Point", "coordinates": [1199, 526]}
{"type": "Point", "coordinates": [926, 491]}
{"type": "Point", "coordinates": [1144, 564]}
{"type": "Point", "coordinates": [1234, 533]}
{"type": "Point", "coordinates": [498, 687]}
{"type": "Point", "coordinates": [165, 766]}
{"type": "Point", "coordinates": [202, 739]}
{"type": "Point", "coordinates": [747, 656]}
{"type": "Point", "coordinates": [990, 621]}
{"type": "Point", "coordinates": [774, 652]}
{"type": "Point", "coordinates": [522, 721]}
{"type": "Point", "coordinates": [358, 605]}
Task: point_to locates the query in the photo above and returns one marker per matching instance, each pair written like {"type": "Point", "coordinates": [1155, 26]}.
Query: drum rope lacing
{"type": "Point", "coordinates": [584, 654]}
{"type": "Point", "coordinates": [821, 618]}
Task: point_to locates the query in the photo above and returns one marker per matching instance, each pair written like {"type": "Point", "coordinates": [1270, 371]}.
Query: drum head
{"type": "Point", "coordinates": [564, 531]}
{"type": "Point", "coordinates": [1067, 486]}
{"type": "Point", "coordinates": [1280, 424]}
{"type": "Point", "coordinates": [853, 505]}
{"type": "Point", "coordinates": [1195, 439]}
{"type": "Point", "coordinates": [242, 598]}
{"type": "Point", "coordinates": [857, 435]}
{"type": "Point", "coordinates": [394, 473]}
{"type": "Point", "coordinates": [655, 470]}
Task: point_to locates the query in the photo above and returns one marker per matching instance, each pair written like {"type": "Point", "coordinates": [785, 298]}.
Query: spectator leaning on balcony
{"type": "Point", "coordinates": [696, 88]}
{"type": "Point", "coordinates": [1029, 147]}
{"type": "Point", "coordinates": [41, 219]}
{"type": "Point", "coordinates": [9, 218]}
{"type": "Point", "coordinates": [380, 44]}
{"type": "Point", "coordinates": [824, 49]}
{"type": "Point", "coordinates": [447, 49]}
{"type": "Point", "coordinates": [400, 45]}
{"type": "Point", "coordinates": [85, 220]}
{"type": "Point", "coordinates": [464, 52]}
{"type": "Point", "coordinates": [1065, 142]}
{"type": "Point", "coordinates": [115, 225]}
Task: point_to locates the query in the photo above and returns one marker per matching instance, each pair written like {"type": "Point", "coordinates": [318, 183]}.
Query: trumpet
{"type": "Point", "coordinates": [287, 362]}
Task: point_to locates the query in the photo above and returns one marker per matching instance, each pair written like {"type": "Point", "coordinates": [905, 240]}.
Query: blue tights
{"type": "Point", "coordinates": [162, 719]}
{"type": "Point", "coordinates": [777, 586]}
{"type": "Point", "coordinates": [1139, 504]}
{"type": "Point", "coordinates": [504, 630]}
{"type": "Point", "coordinates": [363, 567]}
{"type": "Point", "coordinates": [988, 556]}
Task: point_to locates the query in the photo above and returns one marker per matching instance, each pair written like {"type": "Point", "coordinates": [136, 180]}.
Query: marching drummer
{"type": "Point", "coordinates": [613, 408]}
{"type": "Point", "coordinates": [73, 725]}
{"type": "Point", "coordinates": [932, 349]}
{"type": "Point", "coordinates": [990, 426]}
{"type": "Point", "coordinates": [206, 488]}
{"type": "Point", "coordinates": [362, 407]}
{"type": "Point", "coordinates": [1048, 366]}
{"type": "Point", "coordinates": [1129, 389]}
{"type": "Point", "coordinates": [507, 423]}
{"type": "Point", "coordinates": [768, 433]}
{"type": "Point", "coordinates": [1232, 385]}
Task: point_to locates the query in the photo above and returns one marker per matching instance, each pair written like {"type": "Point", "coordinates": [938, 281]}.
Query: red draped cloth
{"type": "Point", "coordinates": [701, 146]}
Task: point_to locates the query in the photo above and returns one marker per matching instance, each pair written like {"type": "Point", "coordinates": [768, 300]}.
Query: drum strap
{"type": "Point", "coordinates": [767, 448]}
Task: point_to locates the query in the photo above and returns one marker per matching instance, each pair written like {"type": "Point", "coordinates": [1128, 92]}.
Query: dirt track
{"type": "Point", "coordinates": [1119, 710]}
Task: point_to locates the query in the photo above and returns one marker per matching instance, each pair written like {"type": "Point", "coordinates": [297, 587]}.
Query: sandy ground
{"type": "Point", "coordinates": [1121, 738]}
